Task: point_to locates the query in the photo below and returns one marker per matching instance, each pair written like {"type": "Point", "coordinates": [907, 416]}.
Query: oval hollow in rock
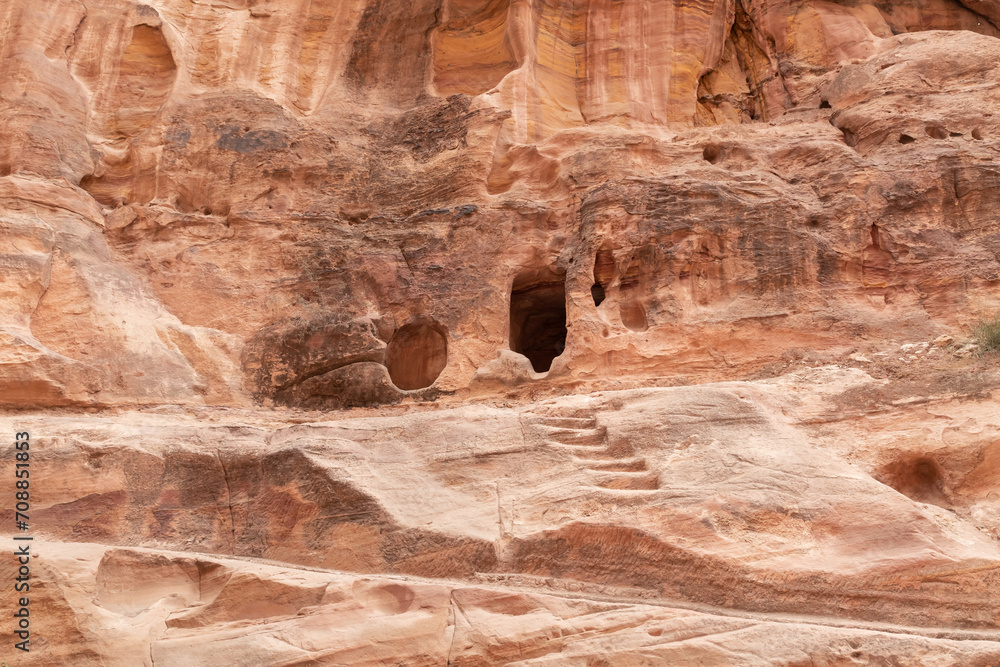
{"type": "Point", "coordinates": [919, 478]}
{"type": "Point", "coordinates": [631, 307]}
{"type": "Point", "coordinates": [416, 355]}
{"type": "Point", "coordinates": [631, 310]}
{"type": "Point", "coordinates": [389, 600]}
{"type": "Point", "coordinates": [936, 132]}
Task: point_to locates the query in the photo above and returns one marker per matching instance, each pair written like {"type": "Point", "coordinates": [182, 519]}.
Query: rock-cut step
{"type": "Point", "coordinates": [562, 422]}
{"type": "Point", "coordinates": [630, 482]}
{"type": "Point", "coordinates": [589, 437]}
{"type": "Point", "coordinates": [610, 464]}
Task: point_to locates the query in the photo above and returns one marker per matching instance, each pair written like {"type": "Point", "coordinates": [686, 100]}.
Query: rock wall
{"type": "Point", "coordinates": [794, 173]}
{"type": "Point", "coordinates": [387, 314]}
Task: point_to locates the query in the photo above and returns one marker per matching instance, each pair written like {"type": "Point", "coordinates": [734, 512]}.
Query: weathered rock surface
{"type": "Point", "coordinates": [746, 177]}
{"type": "Point", "coordinates": [206, 611]}
{"type": "Point", "coordinates": [816, 500]}
{"type": "Point", "coordinates": [615, 294]}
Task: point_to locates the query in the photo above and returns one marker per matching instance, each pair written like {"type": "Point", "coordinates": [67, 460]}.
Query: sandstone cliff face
{"type": "Point", "coordinates": [734, 170]}
{"type": "Point", "coordinates": [222, 223]}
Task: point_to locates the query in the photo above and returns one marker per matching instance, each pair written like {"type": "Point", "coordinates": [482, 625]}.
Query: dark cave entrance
{"type": "Point", "coordinates": [538, 317]}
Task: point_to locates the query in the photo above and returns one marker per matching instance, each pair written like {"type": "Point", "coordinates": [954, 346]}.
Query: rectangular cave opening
{"type": "Point", "coordinates": [538, 317]}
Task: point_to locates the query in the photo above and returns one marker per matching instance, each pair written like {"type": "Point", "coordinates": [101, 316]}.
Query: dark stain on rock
{"type": "Point", "coordinates": [245, 140]}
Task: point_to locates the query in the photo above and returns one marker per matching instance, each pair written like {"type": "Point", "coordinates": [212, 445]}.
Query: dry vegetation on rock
{"type": "Point", "coordinates": [986, 333]}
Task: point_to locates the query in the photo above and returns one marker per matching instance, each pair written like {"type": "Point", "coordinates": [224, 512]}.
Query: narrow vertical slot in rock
{"type": "Point", "coordinates": [604, 272]}
{"type": "Point", "coordinates": [597, 291]}
{"type": "Point", "coordinates": [538, 317]}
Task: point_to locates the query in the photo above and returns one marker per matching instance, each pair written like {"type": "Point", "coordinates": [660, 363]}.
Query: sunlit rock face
{"type": "Point", "coordinates": [745, 177]}
{"type": "Point", "coordinates": [491, 332]}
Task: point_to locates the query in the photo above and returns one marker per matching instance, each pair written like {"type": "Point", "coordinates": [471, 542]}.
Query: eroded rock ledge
{"type": "Point", "coordinates": [808, 496]}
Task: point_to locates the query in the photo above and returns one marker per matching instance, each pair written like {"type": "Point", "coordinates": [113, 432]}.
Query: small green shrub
{"type": "Point", "coordinates": [987, 334]}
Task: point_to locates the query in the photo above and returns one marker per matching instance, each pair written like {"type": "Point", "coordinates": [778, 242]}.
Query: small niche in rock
{"type": "Point", "coordinates": [824, 105]}
{"type": "Point", "coordinates": [632, 312]}
{"type": "Point", "coordinates": [604, 273]}
{"type": "Point", "coordinates": [906, 139]}
{"type": "Point", "coordinates": [630, 302]}
{"type": "Point", "coordinates": [917, 477]}
{"type": "Point", "coordinates": [954, 134]}
{"type": "Point", "coordinates": [976, 134]}
{"type": "Point", "coordinates": [597, 291]}
{"type": "Point", "coordinates": [538, 317]}
{"type": "Point", "coordinates": [936, 132]}
{"type": "Point", "coordinates": [416, 355]}
{"type": "Point", "coordinates": [712, 153]}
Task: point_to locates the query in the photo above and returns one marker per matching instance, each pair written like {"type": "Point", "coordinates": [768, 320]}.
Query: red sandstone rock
{"type": "Point", "coordinates": [444, 215]}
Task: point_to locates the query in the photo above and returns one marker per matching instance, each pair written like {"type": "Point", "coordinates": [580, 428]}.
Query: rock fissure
{"type": "Point", "coordinates": [229, 502]}
{"type": "Point", "coordinates": [76, 30]}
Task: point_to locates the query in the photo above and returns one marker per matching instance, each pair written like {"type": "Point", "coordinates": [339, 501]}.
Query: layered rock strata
{"type": "Point", "coordinates": [540, 332]}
